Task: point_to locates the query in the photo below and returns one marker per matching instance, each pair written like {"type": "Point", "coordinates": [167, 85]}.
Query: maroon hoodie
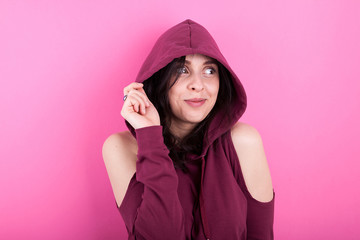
{"type": "Point", "coordinates": [210, 201]}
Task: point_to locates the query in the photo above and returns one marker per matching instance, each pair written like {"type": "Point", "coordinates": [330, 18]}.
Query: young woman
{"type": "Point", "coordinates": [187, 169]}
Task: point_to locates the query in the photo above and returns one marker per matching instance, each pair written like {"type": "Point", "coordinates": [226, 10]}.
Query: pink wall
{"type": "Point", "coordinates": [63, 65]}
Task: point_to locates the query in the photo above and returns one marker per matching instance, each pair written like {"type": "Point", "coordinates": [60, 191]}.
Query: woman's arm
{"type": "Point", "coordinates": [159, 214]}
{"type": "Point", "coordinates": [120, 154]}
{"type": "Point", "coordinates": [254, 166]}
{"type": "Point", "coordinates": [259, 190]}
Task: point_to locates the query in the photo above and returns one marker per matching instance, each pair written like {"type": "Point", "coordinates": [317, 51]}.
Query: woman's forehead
{"type": "Point", "coordinates": [198, 57]}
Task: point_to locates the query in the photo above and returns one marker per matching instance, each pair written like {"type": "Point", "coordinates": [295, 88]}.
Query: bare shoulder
{"type": "Point", "coordinates": [244, 133]}
{"type": "Point", "coordinates": [249, 148]}
{"type": "Point", "coordinates": [121, 141]}
{"type": "Point", "coordinates": [120, 154]}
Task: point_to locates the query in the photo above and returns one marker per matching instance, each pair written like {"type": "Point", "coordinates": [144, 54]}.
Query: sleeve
{"type": "Point", "coordinates": [260, 219]}
{"type": "Point", "coordinates": [157, 213]}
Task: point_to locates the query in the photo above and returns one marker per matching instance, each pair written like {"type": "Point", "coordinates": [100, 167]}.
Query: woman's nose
{"type": "Point", "coordinates": [196, 82]}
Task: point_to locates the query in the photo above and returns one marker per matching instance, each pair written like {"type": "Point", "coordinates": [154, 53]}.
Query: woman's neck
{"type": "Point", "coordinates": [181, 130]}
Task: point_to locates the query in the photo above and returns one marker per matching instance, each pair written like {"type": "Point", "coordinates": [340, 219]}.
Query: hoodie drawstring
{"type": "Point", "coordinates": [201, 201]}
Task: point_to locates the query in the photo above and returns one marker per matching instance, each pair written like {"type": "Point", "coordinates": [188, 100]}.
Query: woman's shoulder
{"type": "Point", "coordinates": [120, 146]}
{"type": "Point", "coordinates": [120, 141]}
{"type": "Point", "coordinates": [243, 133]}
{"type": "Point", "coordinates": [250, 151]}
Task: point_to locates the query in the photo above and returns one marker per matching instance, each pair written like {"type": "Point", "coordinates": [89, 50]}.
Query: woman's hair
{"type": "Point", "coordinates": [157, 89]}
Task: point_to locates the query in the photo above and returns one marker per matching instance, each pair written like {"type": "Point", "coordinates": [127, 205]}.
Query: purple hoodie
{"type": "Point", "coordinates": [211, 201]}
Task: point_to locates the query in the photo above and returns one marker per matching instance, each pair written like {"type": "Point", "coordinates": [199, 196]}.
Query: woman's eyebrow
{"type": "Point", "coordinates": [210, 62]}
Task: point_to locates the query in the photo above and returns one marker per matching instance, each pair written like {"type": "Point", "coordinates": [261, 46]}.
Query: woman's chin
{"type": "Point", "coordinates": [193, 120]}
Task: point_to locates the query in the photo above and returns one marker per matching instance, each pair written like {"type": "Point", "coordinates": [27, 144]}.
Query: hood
{"type": "Point", "coordinates": [189, 37]}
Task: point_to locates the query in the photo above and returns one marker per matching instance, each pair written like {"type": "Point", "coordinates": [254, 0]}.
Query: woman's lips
{"type": "Point", "coordinates": [195, 102]}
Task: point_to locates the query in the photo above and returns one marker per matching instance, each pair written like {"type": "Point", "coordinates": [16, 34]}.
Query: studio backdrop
{"type": "Point", "coordinates": [63, 66]}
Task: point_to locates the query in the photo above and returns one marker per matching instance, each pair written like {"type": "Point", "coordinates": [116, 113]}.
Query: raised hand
{"type": "Point", "coordinates": [137, 108]}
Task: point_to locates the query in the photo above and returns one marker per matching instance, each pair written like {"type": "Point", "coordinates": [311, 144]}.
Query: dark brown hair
{"type": "Point", "coordinates": [157, 89]}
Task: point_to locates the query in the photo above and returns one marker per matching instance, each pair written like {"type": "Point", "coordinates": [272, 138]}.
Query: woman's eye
{"type": "Point", "coordinates": [209, 71]}
{"type": "Point", "coordinates": [182, 70]}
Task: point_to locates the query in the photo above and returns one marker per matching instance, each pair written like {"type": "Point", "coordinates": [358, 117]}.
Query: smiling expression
{"type": "Point", "coordinates": [194, 93]}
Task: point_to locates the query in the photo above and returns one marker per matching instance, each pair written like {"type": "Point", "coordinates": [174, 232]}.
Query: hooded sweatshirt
{"type": "Point", "coordinates": [211, 200]}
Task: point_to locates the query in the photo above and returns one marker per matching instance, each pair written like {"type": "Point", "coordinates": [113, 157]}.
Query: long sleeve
{"type": "Point", "coordinates": [158, 213]}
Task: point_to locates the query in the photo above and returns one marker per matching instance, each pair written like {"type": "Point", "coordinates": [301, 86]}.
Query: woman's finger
{"type": "Point", "coordinates": [138, 100]}
{"type": "Point", "coordinates": [140, 93]}
{"type": "Point", "coordinates": [131, 86]}
{"type": "Point", "coordinates": [133, 106]}
{"type": "Point", "coordinates": [139, 87]}
{"type": "Point", "coordinates": [140, 105]}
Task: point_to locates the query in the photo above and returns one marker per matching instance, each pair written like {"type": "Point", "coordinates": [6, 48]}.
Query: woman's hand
{"type": "Point", "coordinates": [137, 108]}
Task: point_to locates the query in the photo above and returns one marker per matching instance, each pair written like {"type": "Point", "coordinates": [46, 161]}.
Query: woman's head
{"type": "Point", "coordinates": [186, 90]}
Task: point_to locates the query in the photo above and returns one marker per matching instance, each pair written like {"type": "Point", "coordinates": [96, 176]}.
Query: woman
{"type": "Point", "coordinates": [187, 169]}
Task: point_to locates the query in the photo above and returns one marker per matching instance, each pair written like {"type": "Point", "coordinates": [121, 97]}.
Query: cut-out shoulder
{"type": "Point", "coordinates": [120, 154]}
{"type": "Point", "coordinates": [249, 148]}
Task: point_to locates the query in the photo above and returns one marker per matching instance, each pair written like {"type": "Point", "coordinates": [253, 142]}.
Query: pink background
{"type": "Point", "coordinates": [63, 65]}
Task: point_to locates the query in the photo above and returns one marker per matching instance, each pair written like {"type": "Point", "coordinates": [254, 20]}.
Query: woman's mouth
{"type": "Point", "coordinates": [195, 102]}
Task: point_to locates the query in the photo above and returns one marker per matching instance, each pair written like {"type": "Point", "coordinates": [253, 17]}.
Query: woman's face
{"type": "Point", "coordinates": [195, 91]}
